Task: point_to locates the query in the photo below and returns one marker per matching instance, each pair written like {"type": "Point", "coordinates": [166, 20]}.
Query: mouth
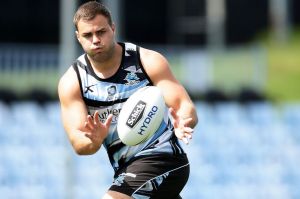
{"type": "Point", "coordinates": [97, 50]}
{"type": "Point", "coordinates": [96, 47]}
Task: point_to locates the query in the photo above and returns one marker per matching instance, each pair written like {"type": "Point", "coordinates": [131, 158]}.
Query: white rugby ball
{"type": "Point", "coordinates": [141, 115]}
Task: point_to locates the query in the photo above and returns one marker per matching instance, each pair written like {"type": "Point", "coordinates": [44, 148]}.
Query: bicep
{"type": "Point", "coordinates": [158, 69]}
{"type": "Point", "coordinates": [73, 116]}
{"type": "Point", "coordinates": [73, 109]}
{"type": "Point", "coordinates": [175, 95]}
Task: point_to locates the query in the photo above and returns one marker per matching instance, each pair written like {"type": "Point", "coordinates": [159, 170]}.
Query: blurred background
{"type": "Point", "coordinates": [238, 59]}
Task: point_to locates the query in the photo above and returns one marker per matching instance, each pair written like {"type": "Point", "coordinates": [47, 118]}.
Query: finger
{"type": "Point", "coordinates": [108, 120]}
{"type": "Point", "coordinates": [184, 136]}
{"type": "Point", "coordinates": [187, 120]}
{"type": "Point", "coordinates": [188, 135]}
{"type": "Point", "coordinates": [185, 140]}
{"type": "Point", "coordinates": [188, 129]}
{"type": "Point", "coordinates": [96, 118]}
{"type": "Point", "coordinates": [179, 133]}
{"type": "Point", "coordinates": [90, 122]}
{"type": "Point", "coordinates": [89, 135]}
{"type": "Point", "coordinates": [90, 119]}
{"type": "Point", "coordinates": [87, 126]}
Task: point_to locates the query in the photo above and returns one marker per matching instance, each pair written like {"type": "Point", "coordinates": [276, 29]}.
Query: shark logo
{"type": "Point", "coordinates": [131, 78]}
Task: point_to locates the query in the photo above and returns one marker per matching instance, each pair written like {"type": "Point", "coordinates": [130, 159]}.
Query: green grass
{"type": "Point", "coordinates": [21, 83]}
{"type": "Point", "coordinates": [234, 69]}
{"type": "Point", "coordinates": [283, 83]}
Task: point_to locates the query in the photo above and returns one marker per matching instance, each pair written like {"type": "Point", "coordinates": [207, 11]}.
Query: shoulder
{"type": "Point", "coordinates": [68, 84]}
{"type": "Point", "coordinates": [67, 79]}
{"type": "Point", "coordinates": [153, 62]}
{"type": "Point", "coordinates": [150, 57]}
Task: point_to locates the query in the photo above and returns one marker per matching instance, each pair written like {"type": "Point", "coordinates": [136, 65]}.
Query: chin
{"type": "Point", "coordinates": [100, 57]}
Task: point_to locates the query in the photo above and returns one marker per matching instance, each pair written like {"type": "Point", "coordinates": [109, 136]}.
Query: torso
{"type": "Point", "coordinates": [108, 95]}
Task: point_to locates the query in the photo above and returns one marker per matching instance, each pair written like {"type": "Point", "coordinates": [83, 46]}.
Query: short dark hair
{"type": "Point", "coordinates": [89, 11]}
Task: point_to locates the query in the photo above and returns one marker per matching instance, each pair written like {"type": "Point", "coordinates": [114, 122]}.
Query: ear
{"type": "Point", "coordinates": [113, 27]}
{"type": "Point", "coordinates": [77, 35]}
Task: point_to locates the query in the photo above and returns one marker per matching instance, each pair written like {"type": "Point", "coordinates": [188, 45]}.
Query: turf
{"type": "Point", "coordinates": [283, 83]}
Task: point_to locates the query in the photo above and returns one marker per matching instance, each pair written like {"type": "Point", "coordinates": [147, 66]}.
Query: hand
{"type": "Point", "coordinates": [182, 131]}
{"type": "Point", "coordinates": [96, 130]}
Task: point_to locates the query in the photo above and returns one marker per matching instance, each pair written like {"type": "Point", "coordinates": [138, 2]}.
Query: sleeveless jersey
{"type": "Point", "coordinates": [108, 95]}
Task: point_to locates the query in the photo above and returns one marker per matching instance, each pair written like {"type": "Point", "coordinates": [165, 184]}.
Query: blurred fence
{"type": "Point", "coordinates": [229, 70]}
{"type": "Point", "coordinates": [27, 67]}
{"type": "Point", "coordinates": [18, 56]}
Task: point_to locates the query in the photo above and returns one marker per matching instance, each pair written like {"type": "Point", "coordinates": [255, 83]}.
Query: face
{"type": "Point", "coordinates": [96, 37]}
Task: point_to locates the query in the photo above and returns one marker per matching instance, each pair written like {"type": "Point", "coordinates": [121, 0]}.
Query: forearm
{"type": "Point", "coordinates": [187, 110]}
{"type": "Point", "coordinates": [82, 144]}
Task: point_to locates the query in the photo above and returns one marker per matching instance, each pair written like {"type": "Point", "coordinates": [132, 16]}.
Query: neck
{"type": "Point", "coordinates": [109, 66]}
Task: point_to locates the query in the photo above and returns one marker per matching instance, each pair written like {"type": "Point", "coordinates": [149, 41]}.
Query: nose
{"type": "Point", "coordinates": [96, 39]}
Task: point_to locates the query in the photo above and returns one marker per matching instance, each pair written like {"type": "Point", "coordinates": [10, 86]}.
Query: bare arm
{"type": "Point", "coordinates": [175, 95]}
{"type": "Point", "coordinates": [86, 133]}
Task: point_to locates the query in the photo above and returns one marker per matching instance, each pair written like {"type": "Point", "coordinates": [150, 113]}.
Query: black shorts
{"type": "Point", "coordinates": [155, 177]}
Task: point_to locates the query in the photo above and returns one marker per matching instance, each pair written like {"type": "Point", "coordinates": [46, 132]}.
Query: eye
{"type": "Point", "coordinates": [101, 32]}
{"type": "Point", "coordinates": [87, 35]}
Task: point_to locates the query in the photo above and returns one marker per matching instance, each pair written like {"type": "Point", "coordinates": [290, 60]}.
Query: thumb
{"type": "Point", "coordinates": [173, 113]}
{"type": "Point", "coordinates": [175, 116]}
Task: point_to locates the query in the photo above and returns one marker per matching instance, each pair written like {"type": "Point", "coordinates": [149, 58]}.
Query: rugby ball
{"type": "Point", "coordinates": [141, 115]}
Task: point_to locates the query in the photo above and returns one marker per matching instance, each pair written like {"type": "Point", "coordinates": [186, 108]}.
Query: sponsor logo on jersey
{"type": "Point", "coordinates": [88, 88]}
{"type": "Point", "coordinates": [103, 114]}
{"type": "Point", "coordinates": [130, 49]}
{"type": "Point", "coordinates": [136, 114]}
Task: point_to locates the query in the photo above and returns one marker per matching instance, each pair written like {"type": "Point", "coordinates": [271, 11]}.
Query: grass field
{"type": "Point", "coordinates": [239, 67]}
{"type": "Point", "coordinates": [23, 82]}
{"type": "Point", "coordinates": [283, 83]}
{"type": "Point", "coordinates": [271, 67]}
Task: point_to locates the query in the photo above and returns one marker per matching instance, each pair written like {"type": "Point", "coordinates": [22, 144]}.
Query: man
{"type": "Point", "coordinates": [92, 92]}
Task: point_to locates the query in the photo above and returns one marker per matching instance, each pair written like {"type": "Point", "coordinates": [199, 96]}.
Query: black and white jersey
{"type": "Point", "coordinates": [108, 96]}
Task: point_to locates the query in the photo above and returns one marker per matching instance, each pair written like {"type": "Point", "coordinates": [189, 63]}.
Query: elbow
{"type": "Point", "coordinates": [81, 152]}
{"type": "Point", "coordinates": [84, 149]}
{"type": "Point", "coordinates": [194, 121]}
